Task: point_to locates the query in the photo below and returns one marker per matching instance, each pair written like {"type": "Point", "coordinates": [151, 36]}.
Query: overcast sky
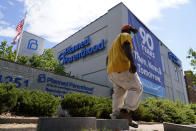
{"type": "Point", "coordinates": [172, 21]}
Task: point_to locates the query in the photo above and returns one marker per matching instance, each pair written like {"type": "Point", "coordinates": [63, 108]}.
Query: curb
{"type": "Point", "coordinates": [81, 123]}
{"type": "Point", "coordinates": [19, 120]}
{"type": "Point", "coordinates": [118, 124]}
{"type": "Point", "coordinates": [19, 129]}
{"type": "Point", "coordinates": [177, 127]}
{"type": "Point", "coordinates": [66, 124]}
{"type": "Point", "coordinates": [148, 123]}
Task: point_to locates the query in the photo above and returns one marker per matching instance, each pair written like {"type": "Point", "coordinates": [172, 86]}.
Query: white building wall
{"type": "Point", "coordinates": [174, 84]}
{"type": "Point", "coordinates": [92, 67]}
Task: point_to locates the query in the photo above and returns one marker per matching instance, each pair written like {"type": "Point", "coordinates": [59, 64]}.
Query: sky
{"type": "Point", "coordinates": [172, 21]}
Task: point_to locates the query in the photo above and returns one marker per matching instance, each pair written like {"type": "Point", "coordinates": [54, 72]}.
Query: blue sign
{"type": "Point", "coordinates": [42, 78]}
{"type": "Point", "coordinates": [173, 58]}
{"type": "Point", "coordinates": [19, 82]}
{"type": "Point", "coordinates": [32, 44]}
{"type": "Point", "coordinates": [62, 87]}
{"type": "Point", "coordinates": [65, 59]}
{"type": "Point", "coordinates": [147, 58]}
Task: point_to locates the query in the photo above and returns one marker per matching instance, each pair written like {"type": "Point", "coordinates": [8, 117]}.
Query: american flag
{"type": "Point", "coordinates": [16, 39]}
{"type": "Point", "coordinates": [20, 27]}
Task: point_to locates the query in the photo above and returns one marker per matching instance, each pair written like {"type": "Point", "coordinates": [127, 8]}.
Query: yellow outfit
{"type": "Point", "coordinates": [117, 60]}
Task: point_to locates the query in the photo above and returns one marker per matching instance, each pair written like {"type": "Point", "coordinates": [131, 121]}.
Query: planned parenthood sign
{"type": "Point", "coordinates": [147, 58]}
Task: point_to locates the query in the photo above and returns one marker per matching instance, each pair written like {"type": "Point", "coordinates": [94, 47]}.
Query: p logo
{"type": "Point", "coordinates": [32, 44]}
{"type": "Point", "coordinates": [41, 78]}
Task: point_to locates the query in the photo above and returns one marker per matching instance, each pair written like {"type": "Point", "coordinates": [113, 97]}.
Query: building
{"type": "Point", "coordinates": [84, 55]}
{"type": "Point", "coordinates": [191, 87]}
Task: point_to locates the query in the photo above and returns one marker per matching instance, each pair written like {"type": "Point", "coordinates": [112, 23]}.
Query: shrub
{"type": "Point", "coordinates": [27, 102]}
{"type": "Point", "coordinates": [164, 110]}
{"type": "Point", "coordinates": [82, 105]}
{"type": "Point", "coordinates": [78, 104]}
{"type": "Point", "coordinates": [8, 97]}
{"type": "Point", "coordinates": [159, 110]}
{"type": "Point", "coordinates": [102, 108]}
{"type": "Point", "coordinates": [193, 107]}
{"type": "Point", "coordinates": [36, 103]}
{"type": "Point", "coordinates": [142, 114]}
{"type": "Point", "coordinates": [22, 60]}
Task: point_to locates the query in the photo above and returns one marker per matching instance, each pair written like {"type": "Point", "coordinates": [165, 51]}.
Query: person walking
{"type": "Point", "coordinates": [121, 69]}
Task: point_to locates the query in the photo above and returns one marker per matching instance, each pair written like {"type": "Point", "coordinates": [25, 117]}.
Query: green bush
{"type": "Point", "coordinates": [159, 110]}
{"type": "Point", "coordinates": [27, 102]}
{"type": "Point", "coordinates": [36, 103]}
{"type": "Point", "coordinates": [22, 60]}
{"type": "Point", "coordinates": [8, 97]}
{"type": "Point", "coordinates": [164, 110]}
{"type": "Point", "coordinates": [193, 107]}
{"type": "Point", "coordinates": [102, 108]}
{"type": "Point", "coordinates": [82, 105]}
{"type": "Point", "coordinates": [142, 114]}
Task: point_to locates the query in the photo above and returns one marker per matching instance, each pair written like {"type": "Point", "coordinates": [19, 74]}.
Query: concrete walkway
{"type": "Point", "coordinates": [147, 127]}
{"type": "Point", "coordinates": [33, 127]}
{"type": "Point", "coordinates": [18, 127]}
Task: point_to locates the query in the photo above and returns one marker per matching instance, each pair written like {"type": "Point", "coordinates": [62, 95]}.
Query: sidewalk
{"type": "Point", "coordinates": [33, 127]}
{"type": "Point", "coordinates": [147, 127]}
{"type": "Point", "coordinates": [18, 127]}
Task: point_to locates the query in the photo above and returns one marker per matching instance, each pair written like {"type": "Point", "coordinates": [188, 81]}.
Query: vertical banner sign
{"type": "Point", "coordinates": [147, 58]}
{"type": "Point", "coordinates": [31, 45]}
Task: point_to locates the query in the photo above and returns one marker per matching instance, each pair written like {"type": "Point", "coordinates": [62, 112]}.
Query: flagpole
{"type": "Point", "coordinates": [18, 46]}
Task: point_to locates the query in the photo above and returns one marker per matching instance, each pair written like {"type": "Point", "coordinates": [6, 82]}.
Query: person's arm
{"type": "Point", "coordinates": [128, 53]}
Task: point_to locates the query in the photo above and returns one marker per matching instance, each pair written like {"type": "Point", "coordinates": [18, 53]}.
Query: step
{"type": "Point", "coordinates": [67, 124]}
{"type": "Point", "coordinates": [118, 124]}
{"type": "Point", "coordinates": [81, 123]}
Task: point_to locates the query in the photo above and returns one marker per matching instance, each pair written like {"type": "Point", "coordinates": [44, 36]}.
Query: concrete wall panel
{"type": "Point", "coordinates": [31, 78]}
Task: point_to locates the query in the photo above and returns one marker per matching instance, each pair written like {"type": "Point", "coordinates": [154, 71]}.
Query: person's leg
{"type": "Point", "coordinates": [125, 81]}
{"type": "Point", "coordinates": [130, 82]}
{"type": "Point", "coordinates": [134, 95]}
{"type": "Point", "coordinates": [133, 98]}
{"type": "Point", "coordinates": [118, 97]}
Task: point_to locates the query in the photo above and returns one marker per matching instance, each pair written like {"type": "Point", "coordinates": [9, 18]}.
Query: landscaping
{"type": "Point", "coordinates": [150, 110]}
{"type": "Point", "coordinates": [37, 103]}
{"type": "Point", "coordinates": [27, 102]}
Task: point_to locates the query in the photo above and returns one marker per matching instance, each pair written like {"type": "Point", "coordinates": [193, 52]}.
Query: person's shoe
{"type": "Point", "coordinates": [133, 124]}
{"type": "Point", "coordinates": [114, 115]}
{"type": "Point", "coordinates": [126, 114]}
